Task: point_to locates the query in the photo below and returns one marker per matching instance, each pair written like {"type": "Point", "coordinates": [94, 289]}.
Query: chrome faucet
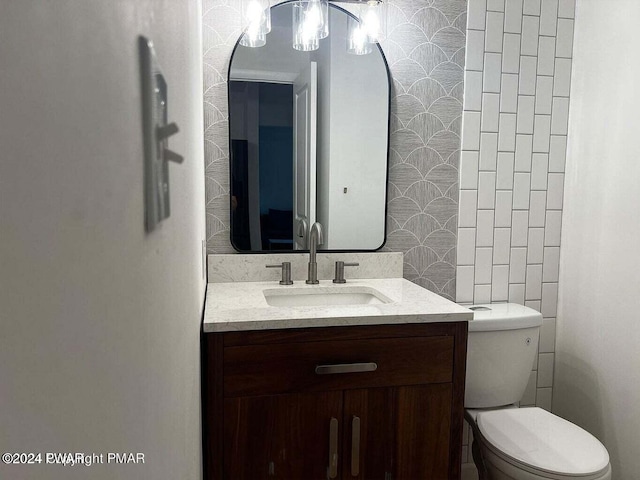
{"type": "Point", "coordinates": [315, 239]}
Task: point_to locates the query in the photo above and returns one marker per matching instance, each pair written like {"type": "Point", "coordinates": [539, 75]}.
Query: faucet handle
{"type": "Point", "coordinates": [340, 270]}
{"type": "Point", "coordinates": [286, 272]}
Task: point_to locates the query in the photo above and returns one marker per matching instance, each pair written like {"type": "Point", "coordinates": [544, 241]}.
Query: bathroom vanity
{"type": "Point", "coordinates": [369, 389]}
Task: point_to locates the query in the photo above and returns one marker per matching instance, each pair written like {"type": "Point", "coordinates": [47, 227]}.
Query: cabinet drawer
{"type": "Point", "coordinates": [283, 368]}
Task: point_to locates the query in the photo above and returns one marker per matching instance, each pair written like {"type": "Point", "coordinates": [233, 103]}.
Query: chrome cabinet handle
{"type": "Point", "coordinates": [346, 368]}
{"type": "Point", "coordinates": [355, 446]}
{"type": "Point", "coordinates": [333, 448]}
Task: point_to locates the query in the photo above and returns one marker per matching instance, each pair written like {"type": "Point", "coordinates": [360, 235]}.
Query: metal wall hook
{"type": "Point", "coordinates": [165, 131]}
{"type": "Point", "coordinates": [171, 156]}
{"type": "Point", "coordinates": [156, 131]}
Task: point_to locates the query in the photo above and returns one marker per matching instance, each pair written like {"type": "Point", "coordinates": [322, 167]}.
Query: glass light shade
{"type": "Point", "coordinates": [253, 40]}
{"type": "Point", "coordinates": [357, 39]}
{"type": "Point", "coordinates": [256, 22]}
{"type": "Point", "coordinates": [306, 26]}
{"type": "Point", "coordinates": [315, 16]}
{"type": "Point", "coordinates": [374, 20]}
{"type": "Point", "coordinates": [318, 14]}
{"type": "Point", "coordinates": [267, 14]}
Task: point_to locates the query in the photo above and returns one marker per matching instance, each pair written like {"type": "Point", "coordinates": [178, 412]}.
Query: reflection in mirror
{"type": "Point", "coordinates": [309, 138]}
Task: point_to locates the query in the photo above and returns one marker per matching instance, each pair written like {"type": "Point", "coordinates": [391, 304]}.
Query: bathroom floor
{"type": "Point", "coordinates": [469, 472]}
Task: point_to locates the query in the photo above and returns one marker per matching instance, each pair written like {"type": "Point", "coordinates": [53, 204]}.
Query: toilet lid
{"type": "Point", "coordinates": [543, 441]}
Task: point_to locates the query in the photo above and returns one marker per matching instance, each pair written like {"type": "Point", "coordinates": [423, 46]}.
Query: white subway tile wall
{"type": "Point", "coordinates": [488, 150]}
{"type": "Point", "coordinates": [513, 16]}
{"type": "Point", "coordinates": [525, 112]}
{"type": "Point", "coordinates": [493, 32]}
{"type": "Point", "coordinates": [524, 148]}
{"type": "Point", "coordinates": [518, 74]}
{"type": "Point", "coordinates": [549, 17]}
{"type": "Point", "coordinates": [530, 32]}
{"type": "Point", "coordinates": [507, 132]}
{"type": "Point", "coordinates": [509, 94]}
{"type": "Point", "coordinates": [495, 5]}
{"type": "Point", "coordinates": [469, 163]}
{"type": "Point", "coordinates": [544, 95]}
{"type": "Point", "coordinates": [541, 133]}
{"type": "Point", "coordinates": [492, 73]}
{"type": "Point", "coordinates": [490, 112]}
{"type": "Point", "coordinates": [546, 55]}
{"type": "Point", "coordinates": [531, 7]}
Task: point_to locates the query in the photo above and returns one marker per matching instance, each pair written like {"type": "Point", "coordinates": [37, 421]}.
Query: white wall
{"type": "Point", "coordinates": [359, 90]}
{"type": "Point", "coordinates": [597, 374]}
{"type": "Point", "coordinates": [99, 343]}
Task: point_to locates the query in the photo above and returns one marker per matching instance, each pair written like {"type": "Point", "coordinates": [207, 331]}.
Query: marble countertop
{"type": "Point", "coordinates": [242, 306]}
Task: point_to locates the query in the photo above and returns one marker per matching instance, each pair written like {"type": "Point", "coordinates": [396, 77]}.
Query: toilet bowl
{"type": "Point", "coordinates": [530, 443]}
{"type": "Point", "coordinates": [513, 443]}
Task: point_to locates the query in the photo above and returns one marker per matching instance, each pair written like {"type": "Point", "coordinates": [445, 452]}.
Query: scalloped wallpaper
{"type": "Point", "coordinates": [425, 50]}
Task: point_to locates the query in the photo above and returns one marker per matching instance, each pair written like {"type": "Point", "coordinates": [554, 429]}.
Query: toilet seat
{"type": "Point", "coordinates": [511, 469]}
{"type": "Point", "coordinates": [543, 444]}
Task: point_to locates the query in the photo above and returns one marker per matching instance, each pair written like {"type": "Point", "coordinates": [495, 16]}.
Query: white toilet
{"type": "Point", "coordinates": [513, 443]}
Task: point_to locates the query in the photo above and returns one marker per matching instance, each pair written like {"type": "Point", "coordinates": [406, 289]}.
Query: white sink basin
{"type": "Point", "coordinates": [324, 296]}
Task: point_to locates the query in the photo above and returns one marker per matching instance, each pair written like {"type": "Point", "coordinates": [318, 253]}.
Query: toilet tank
{"type": "Point", "coordinates": [502, 347]}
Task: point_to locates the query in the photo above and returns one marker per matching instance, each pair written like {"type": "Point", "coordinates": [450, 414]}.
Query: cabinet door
{"type": "Point", "coordinates": [368, 435]}
{"type": "Point", "coordinates": [423, 431]}
{"type": "Point", "coordinates": [281, 436]}
{"type": "Point", "coordinates": [404, 433]}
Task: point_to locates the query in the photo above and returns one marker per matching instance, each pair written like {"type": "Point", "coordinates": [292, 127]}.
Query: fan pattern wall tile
{"type": "Point", "coordinates": [425, 50]}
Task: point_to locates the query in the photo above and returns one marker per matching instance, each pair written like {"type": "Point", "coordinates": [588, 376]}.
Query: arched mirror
{"type": "Point", "coordinates": [309, 136]}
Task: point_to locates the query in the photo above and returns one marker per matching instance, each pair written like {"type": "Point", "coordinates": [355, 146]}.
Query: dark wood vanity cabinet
{"type": "Point", "coordinates": [271, 413]}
